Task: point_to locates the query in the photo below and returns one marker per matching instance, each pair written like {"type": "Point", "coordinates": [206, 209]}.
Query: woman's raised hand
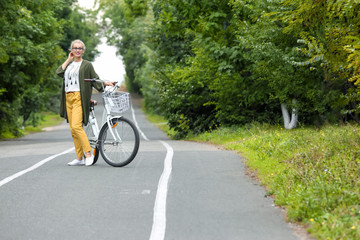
{"type": "Point", "coordinates": [70, 57]}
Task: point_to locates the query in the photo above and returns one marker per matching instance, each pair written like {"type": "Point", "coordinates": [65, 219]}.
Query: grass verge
{"type": "Point", "coordinates": [45, 119]}
{"type": "Point", "coordinates": [313, 173]}
{"type": "Point", "coordinates": [161, 123]}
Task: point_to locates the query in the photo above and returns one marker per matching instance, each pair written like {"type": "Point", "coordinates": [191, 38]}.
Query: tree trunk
{"type": "Point", "coordinates": [289, 123]}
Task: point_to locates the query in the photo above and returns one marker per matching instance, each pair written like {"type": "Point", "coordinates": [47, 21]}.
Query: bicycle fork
{"type": "Point", "coordinates": [115, 133]}
{"type": "Point", "coordinates": [111, 126]}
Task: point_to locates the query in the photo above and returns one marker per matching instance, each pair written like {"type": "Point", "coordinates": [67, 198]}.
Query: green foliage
{"type": "Point", "coordinates": [324, 26]}
{"type": "Point", "coordinates": [191, 35]}
{"type": "Point", "coordinates": [145, 76]}
{"type": "Point", "coordinates": [328, 29]}
{"type": "Point", "coordinates": [128, 31]}
{"type": "Point", "coordinates": [79, 24]}
{"type": "Point", "coordinates": [29, 50]}
{"type": "Point", "coordinates": [251, 61]}
{"type": "Point", "coordinates": [186, 97]}
{"type": "Point", "coordinates": [31, 32]}
{"type": "Point", "coordinates": [244, 57]}
{"type": "Point", "coordinates": [277, 58]}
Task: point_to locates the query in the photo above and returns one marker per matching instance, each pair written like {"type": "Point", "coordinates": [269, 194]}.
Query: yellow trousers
{"type": "Point", "coordinates": [74, 114]}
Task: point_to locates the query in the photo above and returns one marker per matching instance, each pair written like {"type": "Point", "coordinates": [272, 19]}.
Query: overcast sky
{"type": "Point", "coordinates": [107, 65]}
{"type": "Point", "coordinates": [86, 3]}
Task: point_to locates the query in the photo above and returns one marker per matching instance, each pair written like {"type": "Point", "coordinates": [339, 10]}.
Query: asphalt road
{"type": "Point", "coordinates": [172, 190]}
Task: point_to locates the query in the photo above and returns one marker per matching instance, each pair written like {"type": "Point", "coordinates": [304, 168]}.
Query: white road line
{"type": "Point", "coordinates": [33, 167]}
{"type": "Point", "coordinates": [159, 220]}
{"type": "Point", "coordinates": [137, 125]}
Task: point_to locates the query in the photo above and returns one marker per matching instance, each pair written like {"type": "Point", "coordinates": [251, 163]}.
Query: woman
{"type": "Point", "coordinates": [75, 99]}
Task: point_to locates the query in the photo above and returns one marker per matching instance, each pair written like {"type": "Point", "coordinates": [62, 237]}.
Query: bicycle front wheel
{"type": "Point", "coordinates": [119, 145]}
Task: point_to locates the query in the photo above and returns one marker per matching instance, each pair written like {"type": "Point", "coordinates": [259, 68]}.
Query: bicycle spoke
{"type": "Point", "coordinates": [121, 150]}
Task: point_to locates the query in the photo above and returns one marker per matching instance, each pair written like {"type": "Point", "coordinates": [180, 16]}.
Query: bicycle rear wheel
{"type": "Point", "coordinates": [121, 151]}
{"type": "Point", "coordinates": [92, 140]}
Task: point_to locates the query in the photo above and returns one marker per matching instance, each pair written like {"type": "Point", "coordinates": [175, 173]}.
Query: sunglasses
{"type": "Point", "coordinates": [78, 49]}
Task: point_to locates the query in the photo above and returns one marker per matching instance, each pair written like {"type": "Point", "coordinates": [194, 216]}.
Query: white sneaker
{"type": "Point", "coordinates": [76, 162]}
{"type": "Point", "coordinates": [89, 161]}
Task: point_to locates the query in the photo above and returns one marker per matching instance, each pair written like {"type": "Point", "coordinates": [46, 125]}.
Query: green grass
{"type": "Point", "coordinates": [45, 119]}
{"type": "Point", "coordinates": [313, 173]}
{"type": "Point", "coordinates": [161, 123]}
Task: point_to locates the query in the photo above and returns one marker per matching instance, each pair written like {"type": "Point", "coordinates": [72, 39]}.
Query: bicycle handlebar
{"type": "Point", "coordinates": [103, 81]}
{"type": "Point", "coordinates": [97, 80]}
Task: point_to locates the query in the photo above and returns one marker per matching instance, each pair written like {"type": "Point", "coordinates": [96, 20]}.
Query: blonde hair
{"type": "Point", "coordinates": [77, 41]}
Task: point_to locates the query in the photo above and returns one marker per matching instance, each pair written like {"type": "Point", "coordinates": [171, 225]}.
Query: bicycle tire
{"type": "Point", "coordinates": [119, 153]}
{"type": "Point", "coordinates": [93, 143]}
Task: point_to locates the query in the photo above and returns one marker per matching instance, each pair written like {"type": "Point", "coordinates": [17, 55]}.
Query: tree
{"type": "Point", "coordinates": [275, 53]}
{"type": "Point", "coordinates": [127, 31]}
{"type": "Point", "coordinates": [79, 24]}
{"type": "Point", "coordinates": [28, 50]}
{"type": "Point", "coordinates": [204, 63]}
{"type": "Point", "coordinates": [29, 55]}
{"type": "Point", "coordinates": [328, 33]}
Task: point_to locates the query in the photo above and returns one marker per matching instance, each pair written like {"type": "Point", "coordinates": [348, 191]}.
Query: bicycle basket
{"type": "Point", "coordinates": [118, 101]}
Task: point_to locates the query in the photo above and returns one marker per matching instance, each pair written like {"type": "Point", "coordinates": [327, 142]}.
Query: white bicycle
{"type": "Point", "coordinates": [118, 139]}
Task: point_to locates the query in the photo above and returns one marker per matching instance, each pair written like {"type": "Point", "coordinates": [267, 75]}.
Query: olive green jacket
{"type": "Point", "coordinates": [86, 71]}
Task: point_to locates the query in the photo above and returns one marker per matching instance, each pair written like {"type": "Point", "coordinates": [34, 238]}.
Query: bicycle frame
{"type": "Point", "coordinates": [94, 124]}
{"type": "Point", "coordinates": [95, 128]}
{"type": "Point", "coordinates": [109, 117]}
{"type": "Point", "coordinates": [116, 138]}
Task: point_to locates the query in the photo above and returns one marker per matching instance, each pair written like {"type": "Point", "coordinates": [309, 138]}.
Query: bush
{"type": "Point", "coordinates": [186, 98]}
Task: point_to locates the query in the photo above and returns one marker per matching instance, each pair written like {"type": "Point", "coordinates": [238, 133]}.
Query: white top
{"type": "Point", "coordinates": [72, 77]}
